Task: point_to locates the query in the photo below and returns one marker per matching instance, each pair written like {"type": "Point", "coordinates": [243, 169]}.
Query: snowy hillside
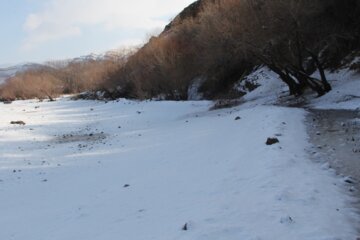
{"type": "Point", "coordinates": [164, 170]}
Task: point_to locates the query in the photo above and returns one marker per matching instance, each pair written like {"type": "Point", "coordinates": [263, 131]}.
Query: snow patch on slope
{"type": "Point", "coordinates": [272, 91]}
{"type": "Point", "coordinates": [345, 93]}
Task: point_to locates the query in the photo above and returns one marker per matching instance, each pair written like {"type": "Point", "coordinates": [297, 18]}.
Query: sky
{"type": "Point", "coordinates": [43, 30]}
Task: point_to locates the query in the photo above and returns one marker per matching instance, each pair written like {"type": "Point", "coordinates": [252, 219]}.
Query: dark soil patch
{"type": "Point", "coordinates": [70, 138]}
{"type": "Point", "coordinates": [335, 136]}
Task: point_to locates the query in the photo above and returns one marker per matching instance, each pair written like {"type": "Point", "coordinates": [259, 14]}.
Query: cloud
{"type": "Point", "coordinates": [59, 19]}
{"type": "Point", "coordinates": [32, 22]}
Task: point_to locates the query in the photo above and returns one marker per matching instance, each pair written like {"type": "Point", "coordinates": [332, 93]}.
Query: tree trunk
{"type": "Point", "coordinates": [294, 87]}
{"type": "Point", "coordinates": [324, 81]}
{"type": "Point", "coordinates": [313, 83]}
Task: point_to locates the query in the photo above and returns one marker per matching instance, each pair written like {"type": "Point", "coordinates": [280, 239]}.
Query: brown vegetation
{"type": "Point", "coordinates": [61, 77]}
{"type": "Point", "coordinates": [228, 38]}
{"type": "Point", "coordinates": [220, 41]}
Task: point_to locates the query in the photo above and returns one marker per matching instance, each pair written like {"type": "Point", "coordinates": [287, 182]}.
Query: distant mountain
{"type": "Point", "coordinates": [108, 55]}
{"type": "Point", "coordinates": [10, 71]}
{"type": "Point", "coordinates": [7, 71]}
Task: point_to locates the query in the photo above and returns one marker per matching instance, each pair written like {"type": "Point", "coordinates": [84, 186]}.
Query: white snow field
{"type": "Point", "coordinates": [87, 170]}
{"type": "Point", "coordinates": [345, 93]}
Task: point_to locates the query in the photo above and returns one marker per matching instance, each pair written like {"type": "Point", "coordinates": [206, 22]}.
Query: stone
{"type": "Point", "coordinates": [18, 123]}
{"type": "Point", "coordinates": [271, 141]}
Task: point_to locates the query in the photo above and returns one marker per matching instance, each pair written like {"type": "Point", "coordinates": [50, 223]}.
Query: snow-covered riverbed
{"type": "Point", "coordinates": [142, 170]}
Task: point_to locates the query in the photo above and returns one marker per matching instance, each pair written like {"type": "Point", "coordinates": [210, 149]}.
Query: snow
{"type": "Point", "coordinates": [63, 174]}
{"type": "Point", "coordinates": [271, 88]}
{"type": "Point", "coordinates": [193, 91]}
{"type": "Point", "coordinates": [345, 93]}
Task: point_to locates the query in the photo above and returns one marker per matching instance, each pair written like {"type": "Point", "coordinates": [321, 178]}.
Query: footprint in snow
{"type": "Point", "coordinates": [286, 220]}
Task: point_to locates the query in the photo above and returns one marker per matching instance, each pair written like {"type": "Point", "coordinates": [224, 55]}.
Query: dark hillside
{"type": "Point", "coordinates": [219, 42]}
{"type": "Point", "coordinates": [190, 12]}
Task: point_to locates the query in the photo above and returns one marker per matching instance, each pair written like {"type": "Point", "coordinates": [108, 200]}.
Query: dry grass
{"type": "Point", "coordinates": [58, 78]}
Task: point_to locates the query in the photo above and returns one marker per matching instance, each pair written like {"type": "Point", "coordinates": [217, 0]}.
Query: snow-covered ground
{"type": "Point", "coordinates": [345, 93]}
{"type": "Point", "coordinates": [142, 170]}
